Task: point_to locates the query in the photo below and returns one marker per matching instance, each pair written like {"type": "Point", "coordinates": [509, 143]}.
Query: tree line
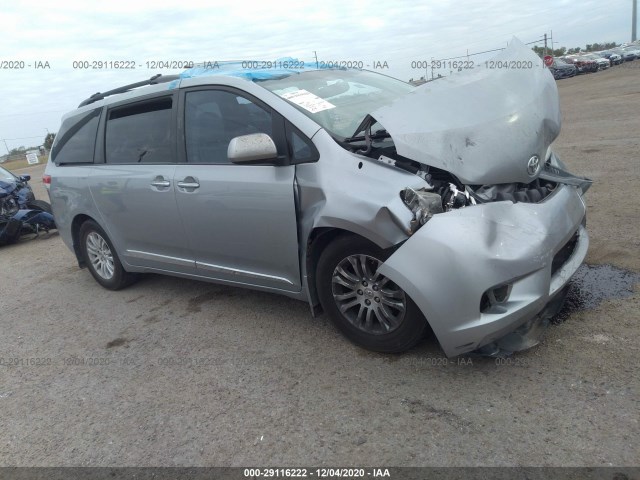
{"type": "Point", "coordinates": [559, 52]}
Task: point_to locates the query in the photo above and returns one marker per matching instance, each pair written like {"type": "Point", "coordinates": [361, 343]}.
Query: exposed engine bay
{"type": "Point", "coordinates": [444, 191]}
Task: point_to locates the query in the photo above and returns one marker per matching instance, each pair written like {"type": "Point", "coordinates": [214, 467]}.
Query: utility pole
{"type": "Point", "coordinates": [634, 18]}
{"type": "Point", "coordinates": [545, 43]}
{"type": "Point", "coordinates": [316, 55]}
{"type": "Point", "coordinates": [6, 146]}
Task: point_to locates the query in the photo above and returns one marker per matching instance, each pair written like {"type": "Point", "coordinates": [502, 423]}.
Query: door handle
{"type": "Point", "coordinates": [189, 182]}
{"type": "Point", "coordinates": [160, 182]}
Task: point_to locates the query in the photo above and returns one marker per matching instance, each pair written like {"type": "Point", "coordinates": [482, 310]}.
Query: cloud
{"type": "Point", "coordinates": [397, 32]}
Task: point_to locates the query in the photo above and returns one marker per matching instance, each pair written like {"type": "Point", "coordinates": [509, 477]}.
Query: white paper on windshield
{"type": "Point", "coordinates": [307, 100]}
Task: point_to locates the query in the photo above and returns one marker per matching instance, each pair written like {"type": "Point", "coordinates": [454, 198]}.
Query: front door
{"type": "Point", "coordinates": [240, 220]}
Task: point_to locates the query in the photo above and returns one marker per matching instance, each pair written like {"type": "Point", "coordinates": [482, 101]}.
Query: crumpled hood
{"type": "Point", "coordinates": [7, 188]}
{"type": "Point", "coordinates": [483, 125]}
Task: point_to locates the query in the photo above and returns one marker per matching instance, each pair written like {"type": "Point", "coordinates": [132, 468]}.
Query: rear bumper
{"type": "Point", "coordinates": [448, 265]}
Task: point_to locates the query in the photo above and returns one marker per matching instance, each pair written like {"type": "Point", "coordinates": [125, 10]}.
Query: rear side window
{"type": "Point", "coordinates": [140, 133]}
{"type": "Point", "coordinates": [75, 142]}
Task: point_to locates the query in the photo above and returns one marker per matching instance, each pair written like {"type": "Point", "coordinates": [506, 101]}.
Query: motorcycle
{"type": "Point", "coordinates": [20, 212]}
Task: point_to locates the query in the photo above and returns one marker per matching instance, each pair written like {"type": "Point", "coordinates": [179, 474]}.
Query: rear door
{"type": "Point", "coordinates": [240, 220]}
{"type": "Point", "coordinates": [133, 185]}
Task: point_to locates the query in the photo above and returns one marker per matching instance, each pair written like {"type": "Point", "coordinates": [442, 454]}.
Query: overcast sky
{"type": "Point", "coordinates": [392, 31]}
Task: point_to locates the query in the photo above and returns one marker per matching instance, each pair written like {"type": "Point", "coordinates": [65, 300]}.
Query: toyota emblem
{"type": "Point", "coordinates": [533, 165]}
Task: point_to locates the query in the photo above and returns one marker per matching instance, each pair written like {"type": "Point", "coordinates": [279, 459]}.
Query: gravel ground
{"type": "Point", "coordinates": [181, 373]}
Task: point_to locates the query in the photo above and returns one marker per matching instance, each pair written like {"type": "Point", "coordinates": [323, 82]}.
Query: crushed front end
{"type": "Point", "coordinates": [480, 273]}
{"type": "Point", "coordinates": [499, 228]}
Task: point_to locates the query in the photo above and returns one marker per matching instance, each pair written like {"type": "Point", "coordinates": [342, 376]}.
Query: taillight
{"type": "Point", "coordinates": [46, 179]}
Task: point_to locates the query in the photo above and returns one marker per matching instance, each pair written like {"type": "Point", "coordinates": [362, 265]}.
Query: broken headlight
{"type": "Point", "coordinates": [422, 204]}
{"type": "Point", "coordinates": [8, 207]}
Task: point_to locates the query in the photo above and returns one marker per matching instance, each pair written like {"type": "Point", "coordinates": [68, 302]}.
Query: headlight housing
{"type": "Point", "coordinates": [422, 204]}
{"type": "Point", "coordinates": [8, 207]}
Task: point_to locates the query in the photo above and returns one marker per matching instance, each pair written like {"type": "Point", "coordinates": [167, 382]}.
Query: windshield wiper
{"type": "Point", "coordinates": [368, 137]}
{"type": "Point", "coordinates": [374, 136]}
{"type": "Point", "coordinates": [366, 123]}
{"type": "Point", "coordinates": [365, 126]}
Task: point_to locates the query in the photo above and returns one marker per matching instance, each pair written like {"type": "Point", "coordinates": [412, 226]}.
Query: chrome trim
{"type": "Point", "coordinates": [161, 183]}
{"type": "Point", "coordinates": [188, 184]}
{"type": "Point", "coordinates": [162, 258]}
{"type": "Point", "coordinates": [241, 273]}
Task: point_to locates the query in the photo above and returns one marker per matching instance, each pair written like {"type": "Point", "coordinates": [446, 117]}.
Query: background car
{"type": "Point", "coordinates": [627, 55]}
{"type": "Point", "coordinates": [561, 69]}
{"type": "Point", "coordinates": [614, 58]}
{"type": "Point", "coordinates": [14, 188]}
{"type": "Point", "coordinates": [582, 64]}
{"type": "Point", "coordinates": [603, 63]}
{"type": "Point", "coordinates": [20, 212]}
{"type": "Point", "coordinates": [633, 50]}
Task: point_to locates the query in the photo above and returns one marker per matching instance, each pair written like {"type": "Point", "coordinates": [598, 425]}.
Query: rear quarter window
{"type": "Point", "coordinates": [75, 142]}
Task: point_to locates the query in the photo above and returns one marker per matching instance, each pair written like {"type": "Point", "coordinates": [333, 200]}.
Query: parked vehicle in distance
{"type": "Point", "coordinates": [614, 58]}
{"type": "Point", "coordinates": [627, 55]}
{"type": "Point", "coordinates": [561, 69]}
{"type": "Point", "coordinates": [603, 63]}
{"type": "Point", "coordinates": [633, 50]}
{"type": "Point", "coordinates": [397, 210]}
{"type": "Point", "coordinates": [592, 65]}
{"type": "Point", "coordinates": [582, 65]}
{"type": "Point", "coordinates": [20, 212]}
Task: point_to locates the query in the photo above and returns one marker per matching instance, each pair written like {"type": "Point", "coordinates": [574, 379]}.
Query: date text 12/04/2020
{"type": "Point", "coordinates": [316, 472]}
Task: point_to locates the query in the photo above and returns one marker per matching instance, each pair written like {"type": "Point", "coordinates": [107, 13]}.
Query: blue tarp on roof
{"type": "Point", "coordinates": [252, 69]}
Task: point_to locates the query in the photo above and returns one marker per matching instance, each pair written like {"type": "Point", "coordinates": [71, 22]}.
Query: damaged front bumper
{"type": "Point", "coordinates": [481, 273]}
{"type": "Point", "coordinates": [526, 335]}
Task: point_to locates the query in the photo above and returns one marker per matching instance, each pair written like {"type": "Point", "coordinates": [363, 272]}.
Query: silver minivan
{"type": "Point", "coordinates": [397, 210]}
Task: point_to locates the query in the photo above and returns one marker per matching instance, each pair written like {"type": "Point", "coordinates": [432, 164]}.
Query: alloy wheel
{"type": "Point", "coordinates": [100, 255]}
{"type": "Point", "coordinates": [368, 300]}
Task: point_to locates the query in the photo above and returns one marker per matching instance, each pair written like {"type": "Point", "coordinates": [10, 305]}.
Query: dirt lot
{"type": "Point", "coordinates": [184, 373]}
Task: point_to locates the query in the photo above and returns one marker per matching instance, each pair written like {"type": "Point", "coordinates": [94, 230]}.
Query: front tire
{"type": "Point", "coordinates": [101, 258]}
{"type": "Point", "coordinates": [40, 205]}
{"type": "Point", "coordinates": [367, 307]}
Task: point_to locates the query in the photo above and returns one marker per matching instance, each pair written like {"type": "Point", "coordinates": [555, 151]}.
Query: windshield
{"type": "Point", "coordinates": [6, 175]}
{"type": "Point", "coordinates": [338, 100]}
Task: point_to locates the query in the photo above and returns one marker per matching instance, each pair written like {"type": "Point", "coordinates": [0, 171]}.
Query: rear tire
{"type": "Point", "coordinates": [101, 258]}
{"type": "Point", "coordinates": [368, 308]}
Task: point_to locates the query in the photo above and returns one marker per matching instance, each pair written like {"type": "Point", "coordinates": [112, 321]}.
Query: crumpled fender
{"type": "Point", "coordinates": [353, 193]}
{"type": "Point", "coordinates": [447, 265]}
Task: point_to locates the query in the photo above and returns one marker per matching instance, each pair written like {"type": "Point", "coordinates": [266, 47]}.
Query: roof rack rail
{"type": "Point", "coordinates": [159, 78]}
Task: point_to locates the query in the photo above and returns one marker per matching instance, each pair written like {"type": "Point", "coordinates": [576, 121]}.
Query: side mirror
{"type": "Point", "coordinates": [253, 148]}
{"type": "Point", "coordinates": [25, 178]}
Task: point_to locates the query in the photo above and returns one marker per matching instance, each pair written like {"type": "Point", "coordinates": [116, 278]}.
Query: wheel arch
{"type": "Point", "coordinates": [76, 225]}
{"type": "Point", "coordinates": [318, 240]}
